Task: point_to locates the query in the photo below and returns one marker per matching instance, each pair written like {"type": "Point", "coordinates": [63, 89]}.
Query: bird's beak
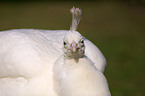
{"type": "Point", "coordinates": [74, 46]}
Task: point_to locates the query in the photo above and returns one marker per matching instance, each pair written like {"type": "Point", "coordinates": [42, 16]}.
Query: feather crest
{"type": "Point", "coordinates": [76, 17]}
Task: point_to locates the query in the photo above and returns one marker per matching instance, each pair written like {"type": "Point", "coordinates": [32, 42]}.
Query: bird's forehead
{"type": "Point", "coordinates": [73, 36]}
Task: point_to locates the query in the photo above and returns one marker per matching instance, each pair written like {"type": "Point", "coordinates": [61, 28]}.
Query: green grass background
{"type": "Point", "coordinates": [118, 29]}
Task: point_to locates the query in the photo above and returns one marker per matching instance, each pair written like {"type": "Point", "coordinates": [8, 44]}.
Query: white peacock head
{"type": "Point", "coordinates": [73, 41]}
{"type": "Point", "coordinates": [73, 45]}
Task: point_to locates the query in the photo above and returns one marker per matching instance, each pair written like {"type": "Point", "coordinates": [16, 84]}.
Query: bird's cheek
{"type": "Point", "coordinates": [65, 46]}
{"type": "Point", "coordinates": [83, 49]}
{"type": "Point", "coordinates": [68, 51]}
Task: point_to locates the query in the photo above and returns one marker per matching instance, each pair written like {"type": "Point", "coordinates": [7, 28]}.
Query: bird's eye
{"type": "Point", "coordinates": [64, 43]}
{"type": "Point", "coordinates": [82, 41]}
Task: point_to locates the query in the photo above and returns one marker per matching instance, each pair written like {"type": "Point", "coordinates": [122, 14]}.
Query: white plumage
{"type": "Point", "coordinates": [27, 59]}
{"type": "Point", "coordinates": [74, 73]}
{"type": "Point", "coordinates": [79, 78]}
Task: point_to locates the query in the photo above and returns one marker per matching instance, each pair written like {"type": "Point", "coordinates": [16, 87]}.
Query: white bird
{"type": "Point", "coordinates": [74, 73]}
{"type": "Point", "coordinates": [27, 57]}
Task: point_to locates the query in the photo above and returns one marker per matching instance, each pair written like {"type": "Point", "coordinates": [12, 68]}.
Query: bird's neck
{"type": "Point", "coordinates": [78, 61]}
{"type": "Point", "coordinates": [73, 58]}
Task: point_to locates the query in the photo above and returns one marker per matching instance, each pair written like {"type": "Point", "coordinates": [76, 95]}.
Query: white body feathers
{"type": "Point", "coordinates": [51, 63]}
{"type": "Point", "coordinates": [27, 57]}
{"type": "Point", "coordinates": [79, 78]}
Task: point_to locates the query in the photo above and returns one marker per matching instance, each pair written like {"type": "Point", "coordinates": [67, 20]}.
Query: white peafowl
{"type": "Point", "coordinates": [27, 58]}
{"type": "Point", "coordinates": [74, 73]}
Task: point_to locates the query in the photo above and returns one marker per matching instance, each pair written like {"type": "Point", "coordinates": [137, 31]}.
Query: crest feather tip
{"type": "Point", "coordinates": [76, 17]}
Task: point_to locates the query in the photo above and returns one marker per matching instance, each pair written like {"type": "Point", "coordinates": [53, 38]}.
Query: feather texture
{"type": "Point", "coordinates": [27, 57]}
{"type": "Point", "coordinates": [79, 78]}
{"type": "Point", "coordinates": [76, 17]}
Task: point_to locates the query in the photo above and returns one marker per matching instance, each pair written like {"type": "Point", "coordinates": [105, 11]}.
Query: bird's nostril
{"type": "Point", "coordinates": [78, 48]}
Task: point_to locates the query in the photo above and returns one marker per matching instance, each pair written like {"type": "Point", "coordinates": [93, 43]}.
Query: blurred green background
{"type": "Point", "coordinates": [116, 27]}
